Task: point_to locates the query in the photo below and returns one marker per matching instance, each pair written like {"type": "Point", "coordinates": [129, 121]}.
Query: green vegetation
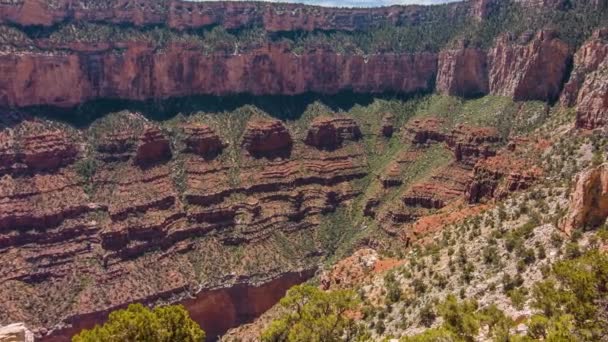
{"type": "Point", "coordinates": [432, 29]}
{"type": "Point", "coordinates": [314, 315]}
{"type": "Point", "coordinates": [571, 303]}
{"type": "Point", "coordinates": [138, 323]}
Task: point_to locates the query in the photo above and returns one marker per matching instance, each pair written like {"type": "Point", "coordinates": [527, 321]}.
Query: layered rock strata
{"type": "Point", "coordinates": [139, 72]}
{"type": "Point", "coordinates": [463, 72]}
{"type": "Point", "coordinates": [587, 88]}
{"type": "Point", "coordinates": [330, 132]}
{"type": "Point", "coordinates": [588, 200]}
{"type": "Point", "coordinates": [181, 15]}
{"type": "Point", "coordinates": [516, 69]}
{"type": "Point", "coordinates": [86, 220]}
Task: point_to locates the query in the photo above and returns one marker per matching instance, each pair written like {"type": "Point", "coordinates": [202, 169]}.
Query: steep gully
{"type": "Point", "coordinates": [137, 224]}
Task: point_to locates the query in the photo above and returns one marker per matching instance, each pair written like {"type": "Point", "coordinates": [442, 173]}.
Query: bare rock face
{"type": "Point", "coordinates": [121, 225]}
{"type": "Point", "coordinates": [267, 138]}
{"type": "Point", "coordinates": [116, 146]}
{"type": "Point", "coordinates": [592, 103]}
{"type": "Point", "coordinates": [462, 72]}
{"type": "Point", "coordinates": [153, 147]}
{"type": "Point", "coordinates": [388, 125]}
{"type": "Point", "coordinates": [329, 133]}
{"type": "Point", "coordinates": [499, 175]}
{"type": "Point", "coordinates": [422, 131]}
{"type": "Point", "coordinates": [181, 15]}
{"type": "Point", "coordinates": [138, 72]}
{"type": "Point", "coordinates": [588, 200]}
{"type": "Point", "coordinates": [34, 148]}
{"type": "Point", "coordinates": [586, 61]}
{"type": "Point", "coordinates": [473, 143]}
{"type": "Point", "coordinates": [203, 140]}
{"type": "Point", "coordinates": [587, 88]}
{"type": "Point", "coordinates": [17, 332]}
{"type": "Point", "coordinates": [534, 70]}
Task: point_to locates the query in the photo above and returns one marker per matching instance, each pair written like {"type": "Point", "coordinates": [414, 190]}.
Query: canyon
{"type": "Point", "coordinates": [228, 208]}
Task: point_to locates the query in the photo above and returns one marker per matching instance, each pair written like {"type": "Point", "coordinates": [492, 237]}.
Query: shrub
{"type": "Point", "coordinates": [138, 323]}
{"type": "Point", "coordinates": [313, 315]}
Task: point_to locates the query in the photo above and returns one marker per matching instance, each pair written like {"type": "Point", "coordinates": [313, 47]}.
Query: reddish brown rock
{"type": "Point", "coordinates": [462, 72]}
{"type": "Point", "coordinates": [191, 15]}
{"type": "Point", "coordinates": [472, 143]}
{"type": "Point", "coordinates": [202, 140]}
{"type": "Point", "coordinates": [592, 103]}
{"type": "Point", "coordinates": [534, 70]}
{"type": "Point", "coordinates": [439, 190]}
{"type": "Point", "coordinates": [586, 89]}
{"type": "Point", "coordinates": [116, 146]}
{"type": "Point", "coordinates": [586, 61]}
{"type": "Point", "coordinates": [388, 125]}
{"type": "Point", "coordinates": [47, 151]}
{"type": "Point", "coordinates": [152, 147]}
{"type": "Point", "coordinates": [497, 176]}
{"type": "Point", "coordinates": [422, 131]}
{"type": "Point", "coordinates": [329, 133]}
{"type": "Point", "coordinates": [265, 137]}
{"type": "Point", "coordinates": [138, 72]}
{"type": "Point", "coordinates": [588, 200]}
{"type": "Point", "coordinates": [34, 147]}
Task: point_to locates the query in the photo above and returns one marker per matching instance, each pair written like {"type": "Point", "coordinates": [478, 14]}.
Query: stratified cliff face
{"type": "Point", "coordinates": [88, 217]}
{"type": "Point", "coordinates": [463, 72]}
{"type": "Point", "coordinates": [587, 88]}
{"type": "Point", "coordinates": [534, 70]}
{"type": "Point", "coordinates": [588, 201]}
{"type": "Point", "coordinates": [141, 72]}
{"type": "Point", "coordinates": [190, 14]}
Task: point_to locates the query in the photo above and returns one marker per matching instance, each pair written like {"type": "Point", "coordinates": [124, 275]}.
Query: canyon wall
{"type": "Point", "coordinates": [531, 67]}
{"type": "Point", "coordinates": [533, 70]}
{"type": "Point", "coordinates": [130, 210]}
{"type": "Point", "coordinates": [141, 72]}
{"type": "Point", "coordinates": [179, 14]}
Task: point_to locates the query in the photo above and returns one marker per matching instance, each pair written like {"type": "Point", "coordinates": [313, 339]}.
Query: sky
{"type": "Point", "coordinates": [363, 3]}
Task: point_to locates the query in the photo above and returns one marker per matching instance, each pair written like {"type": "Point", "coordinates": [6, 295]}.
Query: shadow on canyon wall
{"type": "Point", "coordinates": [278, 106]}
{"type": "Point", "coordinates": [216, 311]}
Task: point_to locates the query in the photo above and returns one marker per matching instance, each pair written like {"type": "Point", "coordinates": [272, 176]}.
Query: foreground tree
{"type": "Point", "coordinates": [138, 323]}
{"type": "Point", "coordinates": [313, 315]}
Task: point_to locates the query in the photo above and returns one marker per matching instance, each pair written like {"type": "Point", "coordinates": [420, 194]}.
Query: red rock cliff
{"type": "Point", "coordinates": [189, 14]}
{"type": "Point", "coordinates": [587, 88]}
{"type": "Point", "coordinates": [533, 70]}
{"type": "Point", "coordinates": [140, 72]}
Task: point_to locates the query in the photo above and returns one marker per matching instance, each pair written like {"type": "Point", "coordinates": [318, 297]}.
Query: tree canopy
{"type": "Point", "coordinates": [314, 315]}
{"type": "Point", "coordinates": [138, 323]}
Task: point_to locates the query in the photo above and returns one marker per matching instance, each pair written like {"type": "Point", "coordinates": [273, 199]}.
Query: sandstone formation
{"type": "Point", "coordinates": [462, 72]}
{"type": "Point", "coordinates": [330, 132]}
{"type": "Point", "coordinates": [421, 131]}
{"type": "Point", "coordinates": [447, 184]}
{"type": "Point", "coordinates": [350, 271]}
{"type": "Point", "coordinates": [497, 176]}
{"type": "Point", "coordinates": [470, 144]}
{"type": "Point", "coordinates": [586, 61]}
{"type": "Point", "coordinates": [191, 15]}
{"type": "Point", "coordinates": [203, 140]}
{"type": "Point", "coordinates": [138, 71]}
{"type": "Point", "coordinates": [588, 200]}
{"type": "Point", "coordinates": [152, 147]}
{"type": "Point", "coordinates": [517, 67]}
{"type": "Point", "coordinates": [266, 138]}
{"type": "Point", "coordinates": [587, 88]}
{"type": "Point", "coordinates": [388, 125]}
{"type": "Point", "coordinates": [118, 211]}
